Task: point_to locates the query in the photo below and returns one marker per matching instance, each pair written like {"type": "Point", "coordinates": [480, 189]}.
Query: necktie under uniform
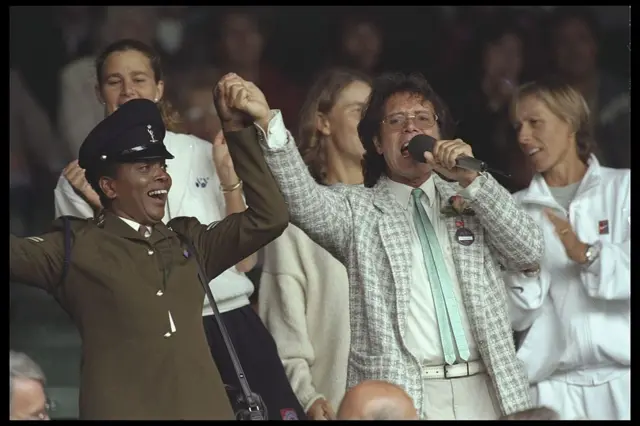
{"type": "Point", "coordinates": [144, 231]}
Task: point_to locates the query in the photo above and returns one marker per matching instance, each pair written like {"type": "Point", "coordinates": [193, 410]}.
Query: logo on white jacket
{"type": "Point", "coordinates": [603, 227]}
{"type": "Point", "coordinates": [202, 182]}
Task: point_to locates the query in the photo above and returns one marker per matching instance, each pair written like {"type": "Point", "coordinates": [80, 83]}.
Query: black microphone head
{"type": "Point", "coordinates": [418, 145]}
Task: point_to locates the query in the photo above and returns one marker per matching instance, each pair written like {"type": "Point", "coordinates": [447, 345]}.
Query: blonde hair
{"type": "Point", "coordinates": [321, 99]}
{"type": "Point", "coordinates": [565, 103]}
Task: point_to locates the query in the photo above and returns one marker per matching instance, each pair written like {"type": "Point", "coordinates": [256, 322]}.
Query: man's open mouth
{"type": "Point", "coordinates": [404, 150]}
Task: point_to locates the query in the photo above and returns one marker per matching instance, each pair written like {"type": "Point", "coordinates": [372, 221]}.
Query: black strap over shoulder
{"type": "Point", "coordinates": [256, 409]}
{"type": "Point", "coordinates": [68, 243]}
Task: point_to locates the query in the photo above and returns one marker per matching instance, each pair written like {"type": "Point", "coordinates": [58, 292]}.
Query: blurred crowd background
{"type": "Point", "coordinates": [474, 56]}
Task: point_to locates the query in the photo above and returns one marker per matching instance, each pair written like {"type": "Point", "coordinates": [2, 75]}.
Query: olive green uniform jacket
{"type": "Point", "coordinates": [138, 302]}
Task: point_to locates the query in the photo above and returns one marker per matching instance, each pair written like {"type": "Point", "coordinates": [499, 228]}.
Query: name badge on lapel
{"type": "Point", "coordinates": [464, 235]}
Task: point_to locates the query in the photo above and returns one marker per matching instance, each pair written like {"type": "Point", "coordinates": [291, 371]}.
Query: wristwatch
{"type": "Point", "coordinates": [592, 253]}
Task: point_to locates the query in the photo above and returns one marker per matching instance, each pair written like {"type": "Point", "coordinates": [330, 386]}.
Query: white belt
{"type": "Point", "coordinates": [452, 371]}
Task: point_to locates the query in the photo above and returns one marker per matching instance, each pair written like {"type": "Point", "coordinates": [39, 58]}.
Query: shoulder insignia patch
{"type": "Point", "coordinates": [212, 225]}
{"type": "Point", "coordinates": [35, 239]}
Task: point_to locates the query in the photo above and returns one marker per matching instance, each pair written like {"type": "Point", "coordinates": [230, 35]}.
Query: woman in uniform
{"type": "Point", "coordinates": [131, 286]}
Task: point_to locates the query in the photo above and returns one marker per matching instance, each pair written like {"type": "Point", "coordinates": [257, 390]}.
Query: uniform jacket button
{"type": "Point", "coordinates": [150, 252]}
{"type": "Point", "coordinates": [167, 335]}
{"type": "Point", "coordinates": [159, 293]}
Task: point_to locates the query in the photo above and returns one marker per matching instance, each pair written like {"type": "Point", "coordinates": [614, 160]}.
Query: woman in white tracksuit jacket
{"type": "Point", "coordinates": [129, 69]}
{"type": "Point", "coordinates": [574, 312]}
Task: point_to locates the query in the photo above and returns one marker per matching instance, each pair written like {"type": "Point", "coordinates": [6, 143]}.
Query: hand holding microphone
{"type": "Point", "coordinates": [451, 158]}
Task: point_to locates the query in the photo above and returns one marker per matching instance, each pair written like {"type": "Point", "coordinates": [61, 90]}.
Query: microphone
{"type": "Point", "coordinates": [420, 144]}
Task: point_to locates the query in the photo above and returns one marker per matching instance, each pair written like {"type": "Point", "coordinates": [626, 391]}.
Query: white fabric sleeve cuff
{"type": "Point", "coordinates": [470, 191]}
{"type": "Point", "coordinates": [275, 136]}
{"type": "Point", "coordinates": [307, 404]}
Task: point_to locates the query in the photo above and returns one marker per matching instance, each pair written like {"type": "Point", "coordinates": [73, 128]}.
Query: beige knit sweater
{"type": "Point", "coordinates": [304, 302]}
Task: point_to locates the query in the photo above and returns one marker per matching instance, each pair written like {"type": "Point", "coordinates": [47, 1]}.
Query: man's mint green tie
{"type": "Point", "coordinates": [446, 305]}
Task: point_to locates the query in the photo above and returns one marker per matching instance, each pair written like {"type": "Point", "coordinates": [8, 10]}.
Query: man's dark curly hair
{"type": "Point", "coordinates": [383, 87]}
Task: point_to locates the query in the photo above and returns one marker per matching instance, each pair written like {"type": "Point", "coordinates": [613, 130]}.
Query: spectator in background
{"type": "Point", "coordinates": [79, 110]}
{"type": "Point", "coordinates": [483, 117]}
{"type": "Point", "coordinates": [76, 28]}
{"type": "Point", "coordinates": [27, 399]}
{"type": "Point", "coordinates": [34, 148]}
{"type": "Point", "coordinates": [194, 102]}
{"type": "Point", "coordinates": [377, 400]}
{"type": "Point", "coordinates": [39, 51]}
{"type": "Point", "coordinates": [179, 38]}
{"type": "Point", "coordinates": [459, 35]}
{"type": "Point", "coordinates": [359, 43]}
{"type": "Point", "coordinates": [170, 30]}
{"type": "Point", "coordinates": [576, 308]}
{"type": "Point", "coordinates": [241, 40]}
{"type": "Point", "coordinates": [529, 21]}
{"type": "Point", "coordinates": [304, 290]}
{"type": "Point", "coordinates": [574, 37]}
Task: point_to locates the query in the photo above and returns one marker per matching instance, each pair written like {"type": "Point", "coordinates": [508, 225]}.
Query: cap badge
{"type": "Point", "coordinates": [150, 131]}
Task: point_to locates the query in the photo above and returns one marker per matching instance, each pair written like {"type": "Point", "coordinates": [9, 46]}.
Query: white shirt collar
{"type": "Point", "coordinates": [135, 225]}
{"type": "Point", "coordinates": [402, 192]}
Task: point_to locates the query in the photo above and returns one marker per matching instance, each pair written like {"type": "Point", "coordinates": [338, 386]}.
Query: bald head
{"type": "Point", "coordinates": [377, 400]}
